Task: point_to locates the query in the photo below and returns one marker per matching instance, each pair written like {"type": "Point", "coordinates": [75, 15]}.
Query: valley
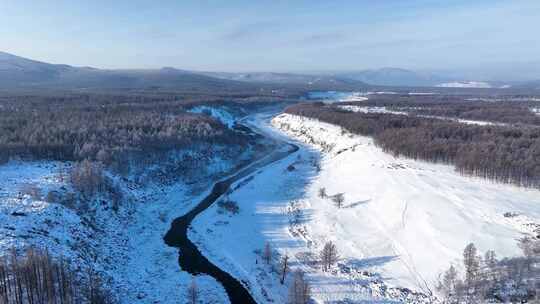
{"type": "Point", "coordinates": [398, 226]}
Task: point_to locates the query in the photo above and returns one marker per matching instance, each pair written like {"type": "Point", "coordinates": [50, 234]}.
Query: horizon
{"type": "Point", "coordinates": [484, 37]}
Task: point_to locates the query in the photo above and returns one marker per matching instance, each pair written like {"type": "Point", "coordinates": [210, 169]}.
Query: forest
{"type": "Point", "coordinates": [508, 153]}
{"type": "Point", "coordinates": [498, 110]}
{"type": "Point", "coordinates": [33, 276]}
{"type": "Point", "coordinates": [104, 127]}
{"type": "Point", "coordinates": [488, 279]}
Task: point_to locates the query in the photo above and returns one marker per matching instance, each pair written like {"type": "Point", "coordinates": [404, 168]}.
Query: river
{"type": "Point", "coordinates": [190, 258]}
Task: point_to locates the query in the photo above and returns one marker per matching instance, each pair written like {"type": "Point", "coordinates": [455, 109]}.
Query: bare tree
{"type": "Point", "coordinates": [531, 250]}
{"type": "Point", "coordinates": [513, 279]}
{"type": "Point", "coordinates": [284, 268]}
{"type": "Point", "coordinates": [447, 284]}
{"type": "Point", "coordinates": [490, 262]}
{"type": "Point", "coordinates": [322, 192]}
{"type": "Point", "coordinates": [338, 199]}
{"type": "Point", "coordinates": [299, 290]}
{"type": "Point", "coordinates": [34, 277]}
{"type": "Point", "coordinates": [471, 263]}
{"type": "Point", "coordinates": [267, 253]}
{"type": "Point", "coordinates": [193, 292]}
{"type": "Point", "coordinates": [87, 177]}
{"type": "Point", "coordinates": [329, 255]}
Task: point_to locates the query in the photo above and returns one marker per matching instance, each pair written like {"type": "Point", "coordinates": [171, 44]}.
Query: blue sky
{"type": "Point", "coordinates": [274, 35]}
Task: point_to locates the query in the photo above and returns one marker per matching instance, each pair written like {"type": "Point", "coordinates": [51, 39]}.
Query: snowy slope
{"type": "Point", "coordinates": [407, 219]}
{"type": "Point", "coordinates": [127, 247]}
{"type": "Point", "coordinates": [219, 113]}
{"type": "Point", "coordinates": [465, 84]}
{"type": "Point", "coordinates": [382, 110]}
{"type": "Point", "coordinates": [267, 202]}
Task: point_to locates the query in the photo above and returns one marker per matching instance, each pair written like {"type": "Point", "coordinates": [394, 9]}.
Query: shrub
{"type": "Point", "coordinates": [322, 192]}
{"type": "Point", "coordinates": [229, 206]}
{"type": "Point", "coordinates": [87, 177]}
{"type": "Point", "coordinates": [32, 190]}
{"type": "Point", "coordinates": [53, 197]}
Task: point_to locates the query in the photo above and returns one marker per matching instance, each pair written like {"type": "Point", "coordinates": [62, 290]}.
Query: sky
{"type": "Point", "coordinates": [284, 36]}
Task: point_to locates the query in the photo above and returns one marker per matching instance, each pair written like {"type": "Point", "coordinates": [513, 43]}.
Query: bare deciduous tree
{"type": "Point", "coordinates": [193, 292]}
{"type": "Point", "coordinates": [339, 199]}
{"type": "Point", "coordinates": [299, 290]}
{"type": "Point", "coordinates": [436, 140]}
{"type": "Point", "coordinates": [447, 284]}
{"type": "Point", "coordinates": [329, 256]}
{"type": "Point", "coordinates": [471, 263]}
{"type": "Point", "coordinates": [284, 268]}
{"type": "Point", "coordinates": [34, 277]}
{"type": "Point", "coordinates": [322, 192]}
{"type": "Point", "coordinates": [267, 253]}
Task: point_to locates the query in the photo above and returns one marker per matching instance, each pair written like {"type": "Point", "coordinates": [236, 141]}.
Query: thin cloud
{"type": "Point", "coordinates": [323, 38]}
{"type": "Point", "coordinates": [249, 31]}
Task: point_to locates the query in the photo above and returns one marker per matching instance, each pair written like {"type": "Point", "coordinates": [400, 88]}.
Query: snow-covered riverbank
{"type": "Point", "coordinates": [127, 247]}
{"type": "Point", "coordinates": [410, 218]}
{"type": "Point", "coordinates": [274, 207]}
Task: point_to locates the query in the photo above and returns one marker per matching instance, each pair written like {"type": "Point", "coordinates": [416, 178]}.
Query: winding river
{"type": "Point", "coordinates": [191, 259]}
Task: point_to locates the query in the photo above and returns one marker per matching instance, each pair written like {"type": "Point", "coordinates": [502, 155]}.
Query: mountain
{"type": "Point", "coordinates": [394, 77]}
{"type": "Point", "coordinates": [288, 78]}
{"type": "Point", "coordinates": [535, 85]}
{"type": "Point", "coordinates": [18, 72]}
{"type": "Point", "coordinates": [14, 70]}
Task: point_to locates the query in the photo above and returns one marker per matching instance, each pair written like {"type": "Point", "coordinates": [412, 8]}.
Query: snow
{"type": "Point", "coordinates": [365, 110]}
{"type": "Point", "coordinates": [232, 241]}
{"type": "Point", "coordinates": [334, 96]}
{"type": "Point", "coordinates": [384, 110]}
{"type": "Point", "coordinates": [127, 249]}
{"type": "Point", "coordinates": [465, 84]}
{"type": "Point", "coordinates": [423, 93]}
{"type": "Point", "coordinates": [220, 113]}
{"type": "Point", "coordinates": [405, 219]}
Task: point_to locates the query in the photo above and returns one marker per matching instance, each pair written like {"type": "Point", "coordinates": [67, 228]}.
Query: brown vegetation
{"type": "Point", "coordinates": [35, 277]}
{"type": "Point", "coordinates": [489, 279]}
{"type": "Point", "coordinates": [101, 128]}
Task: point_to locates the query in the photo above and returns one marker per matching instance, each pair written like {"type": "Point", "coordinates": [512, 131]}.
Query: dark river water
{"type": "Point", "coordinates": [190, 258]}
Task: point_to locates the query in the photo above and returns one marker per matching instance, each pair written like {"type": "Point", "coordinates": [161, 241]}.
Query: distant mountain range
{"type": "Point", "coordinates": [286, 78]}
{"type": "Point", "coordinates": [395, 77]}
{"type": "Point", "coordinates": [19, 72]}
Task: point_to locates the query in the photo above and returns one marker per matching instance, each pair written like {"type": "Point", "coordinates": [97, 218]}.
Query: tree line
{"type": "Point", "coordinates": [508, 154]}
{"type": "Point", "coordinates": [486, 278]}
{"type": "Point", "coordinates": [34, 277]}
{"type": "Point", "coordinates": [505, 110]}
{"type": "Point", "coordinates": [299, 291]}
{"type": "Point", "coordinates": [98, 128]}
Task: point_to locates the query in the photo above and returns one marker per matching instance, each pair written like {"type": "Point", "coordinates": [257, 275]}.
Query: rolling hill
{"type": "Point", "coordinates": [19, 72]}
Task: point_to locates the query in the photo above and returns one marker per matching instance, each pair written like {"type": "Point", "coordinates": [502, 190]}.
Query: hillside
{"type": "Point", "coordinates": [18, 72]}
{"type": "Point", "coordinates": [394, 77]}
{"type": "Point", "coordinates": [290, 79]}
{"type": "Point", "coordinates": [404, 219]}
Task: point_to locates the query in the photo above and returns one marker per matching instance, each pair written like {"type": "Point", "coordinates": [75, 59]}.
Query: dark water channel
{"type": "Point", "coordinates": [191, 259]}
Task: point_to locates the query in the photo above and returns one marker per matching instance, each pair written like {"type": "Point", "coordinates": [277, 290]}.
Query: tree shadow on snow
{"type": "Point", "coordinates": [371, 262]}
{"type": "Point", "coordinates": [352, 205]}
